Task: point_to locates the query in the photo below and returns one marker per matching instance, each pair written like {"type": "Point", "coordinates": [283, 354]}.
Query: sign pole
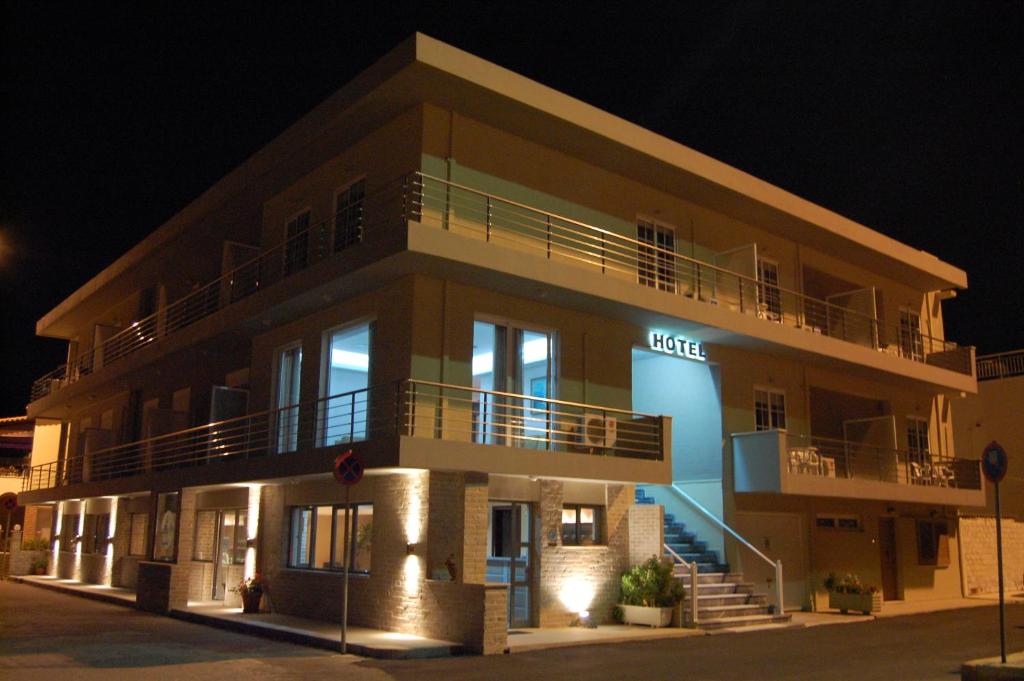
{"type": "Point", "coordinates": [999, 561]}
{"type": "Point", "coordinates": [344, 590]}
{"type": "Point", "coordinates": [993, 465]}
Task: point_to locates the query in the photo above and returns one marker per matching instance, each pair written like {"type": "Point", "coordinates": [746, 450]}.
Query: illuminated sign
{"type": "Point", "coordinates": [677, 345]}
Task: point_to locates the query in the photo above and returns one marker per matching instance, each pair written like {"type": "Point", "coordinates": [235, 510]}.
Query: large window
{"type": "Point", "coordinates": [348, 215]}
{"type": "Point", "coordinates": [769, 295]}
{"type": "Point", "coordinates": [507, 359]}
{"type": "Point", "coordinates": [289, 374]}
{"type": "Point", "coordinates": [581, 525]}
{"type": "Point", "coordinates": [296, 248]}
{"type": "Point", "coordinates": [317, 537]}
{"type": "Point", "coordinates": [347, 369]}
{"type": "Point", "coordinates": [911, 342]}
{"type": "Point", "coordinates": [69, 531]}
{"type": "Point", "coordinates": [933, 543]}
{"type": "Point", "coordinates": [655, 260]}
{"type": "Point", "coordinates": [769, 409]}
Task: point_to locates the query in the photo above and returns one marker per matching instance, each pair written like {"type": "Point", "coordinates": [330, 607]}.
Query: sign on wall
{"type": "Point", "coordinates": [677, 345]}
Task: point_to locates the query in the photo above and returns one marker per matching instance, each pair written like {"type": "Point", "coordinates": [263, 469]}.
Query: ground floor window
{"type": "Point", "coordinates": [933, 543]}
{"type": "Point", "coordinates": [69, 531]}
{"type": "Point", "coordinates": [137, 523]}
{"type": "Point", "coordinates": [166, 530]}
{"type": "Point", "coordinates": [317, 537]}
{"type": "Point", "coordinates": [96, 533]}
{"type": "Point", "coordinates": [581, 525]}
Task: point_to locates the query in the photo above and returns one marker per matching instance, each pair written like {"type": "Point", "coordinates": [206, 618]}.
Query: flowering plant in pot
{"type": "Point", "coordinates": [650, 593]}
{"type": "Point", "coordinates": [39, 566]}
{"type": "Point", "coordinates": [849, 593]}
{"type": "Point", "coordinates": [251, 590]}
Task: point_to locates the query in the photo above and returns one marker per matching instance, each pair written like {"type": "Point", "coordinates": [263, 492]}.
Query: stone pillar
{"type": "Point", "coordinates": [119, 543]}
{"type": "Point", "coordinates": [474, 551]}
{"type": "Point", "coordinates": [457, 525]}
{"type": "Point", "coordinates": [618, 500]}
{"type": "Point", "coordinates": [181, 570]}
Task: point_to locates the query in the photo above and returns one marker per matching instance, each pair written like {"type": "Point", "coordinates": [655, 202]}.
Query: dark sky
{"type": "Point", "coordinates": [907, 117]}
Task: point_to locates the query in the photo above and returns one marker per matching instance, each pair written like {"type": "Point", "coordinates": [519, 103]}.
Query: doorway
{"type": "Point", "coordinates": [783, 537]}
{"type": "Point", "coordinates": [890, 560]}
{"type": "Point", "coordinates": [230, 541]}
{"type": "Point", "coordinates": [510, 556]}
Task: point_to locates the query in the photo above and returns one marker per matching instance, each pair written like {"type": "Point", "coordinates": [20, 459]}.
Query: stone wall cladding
{"type": "Point", "coordinates": [646, 532]}
{"type": "Point", "coordinates": [396, 595]}
{"type": "Point", "coordinates": [978, 549]}
{"type": "Point", "coordinates": [581, 576]}
{"type": "Point", "coordinates": [181, 571]}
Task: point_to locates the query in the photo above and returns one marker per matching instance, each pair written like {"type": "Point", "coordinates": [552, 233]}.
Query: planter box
{"type": "Point", "coordinates": [865, 603]}
{"type": "Point", "coordinates": [652, 617]}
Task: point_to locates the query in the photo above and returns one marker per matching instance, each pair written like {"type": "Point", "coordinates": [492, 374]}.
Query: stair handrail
{"type": "Point", "coordinates": [694, 579]}
{"type": "Point", "coordinates": [776, 564]}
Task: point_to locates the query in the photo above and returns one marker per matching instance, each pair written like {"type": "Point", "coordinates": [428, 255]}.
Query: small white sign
{"type": "Point", "coordinates": [677, 345]}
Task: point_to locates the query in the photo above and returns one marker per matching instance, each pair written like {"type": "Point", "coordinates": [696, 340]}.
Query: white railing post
{"type": "Point", "coordinates": [694, 591]}
{"type": "Point", "coordinates": [780, 604]}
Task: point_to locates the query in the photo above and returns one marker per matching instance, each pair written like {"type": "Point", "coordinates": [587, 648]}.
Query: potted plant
{"type": "Point", "coordinates": [251, 590]}
{"type": "Point", "coordinates": [848, 593]}
{"type": "Point", "coordinates": [39, 566]}
{"type": "Point", "coordinates": [650, 593]}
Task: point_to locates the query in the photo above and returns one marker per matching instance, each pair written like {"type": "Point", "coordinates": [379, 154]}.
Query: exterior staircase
{"type": "Point", "coordinates": [724, 600]}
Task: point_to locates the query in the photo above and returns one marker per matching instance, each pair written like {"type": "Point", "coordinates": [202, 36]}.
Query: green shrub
{"type": "Point", "coordinates": [37, 544]}
{"type": "Point", "coordinates": [651, 584]}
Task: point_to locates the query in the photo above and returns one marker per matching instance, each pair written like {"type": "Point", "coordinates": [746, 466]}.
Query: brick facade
{"type": "Point", "coordinates": [978, 546]}
{"type": "Point", "coordinates": [646, 532]}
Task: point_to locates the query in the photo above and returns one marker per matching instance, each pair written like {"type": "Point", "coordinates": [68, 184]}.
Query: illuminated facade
{"type": "Point", "coordinates": [517, 310]}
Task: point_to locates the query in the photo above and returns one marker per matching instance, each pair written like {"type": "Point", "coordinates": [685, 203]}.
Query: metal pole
{"type": "Point", "coordinates": [781, 608]}
{"type": "Point", "coordinates": [694, 580]}
{"type": "Point", "coordinates": [344, 591]}
{"type": "Point", "coordinates": [999, 561]}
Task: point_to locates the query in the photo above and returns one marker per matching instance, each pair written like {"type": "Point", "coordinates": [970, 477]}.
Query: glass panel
{"type": "Point", "coordinates": [340, 537]}
{"type": "Point", "coordinates": [569, 526]}
{"type": "Point", "coordinates": [288, 378]}
{"type": "Point", "coordinates": [322, 540]}
{"type": "Point", "coordinates": [488, 374]}
{"type": "Point", "coordinates": [364, 538]}
{"type": "Point", "coordinates": [296, 250]}
{"type": "Point", "coordinates": [302, 537]}
{"type": "Point", "coordinates": [533, 376]}
{"type": "Point", "coordinates": [588, 527]}
{"type": "Point", "coordinates": [165, 540]}
{"type": "Point", "coordinates": [241, 537]}
{"type": "Point", "coordinates": [348, 366]}
{"type": "Point", "coordinates": [137, 537]}
{"type": "Point", "coordinates": [206, 532]}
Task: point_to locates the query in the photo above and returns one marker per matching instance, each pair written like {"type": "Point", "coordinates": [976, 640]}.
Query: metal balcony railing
{"type": "Point", "coordinates": [17, 470]}
{"type": "Point", "coordinates": [1001, 365]}
{"type": "Point", "coordinates": [465, 210]}
{"type": "Point", "coordinates": [818, 456]}
{"type": "Point", "coordinates": [409, 407]}
{"type": "Point", "coordinates": [320, 241]}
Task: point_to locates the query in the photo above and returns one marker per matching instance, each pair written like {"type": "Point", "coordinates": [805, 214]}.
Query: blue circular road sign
{"type": "Point", "coordinates": [994, 462]}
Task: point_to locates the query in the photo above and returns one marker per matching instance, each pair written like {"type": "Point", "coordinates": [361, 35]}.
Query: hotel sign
{"type": "Point", "coordinates": [677, 345]}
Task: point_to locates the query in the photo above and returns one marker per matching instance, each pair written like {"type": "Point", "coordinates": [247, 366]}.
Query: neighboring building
{"type": "Point", "coordinates": [15, 445]}
{"type": "Point", "coordinates": [515, 308]}
{"type": "Point", "coordinates": [994, 413]}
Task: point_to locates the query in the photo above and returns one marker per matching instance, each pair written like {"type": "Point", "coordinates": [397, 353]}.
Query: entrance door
{"type": "Point", "coordinates": [509, 557]}
{"type": "Point", "coordinates": [231, 545]}
{"type": "Point", "coordinates": [890, 566]}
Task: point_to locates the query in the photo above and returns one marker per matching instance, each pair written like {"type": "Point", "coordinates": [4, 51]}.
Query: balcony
{"type": "Point", "coordinates": [774, 462]}
{"type": "Point", "coordinates": [1001, 365]}
{"type": "Point", "coordinates": [436, 426]}
{"type": "Point", "coordinates": [319, 242]}
{"type": "Point", "coordinates": [730, 283]}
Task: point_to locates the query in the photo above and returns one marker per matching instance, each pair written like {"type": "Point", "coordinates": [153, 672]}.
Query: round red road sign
{"type": "Point", "coordinates": [348, 468]}
{"type": "Point", "coordinates": [9, 501]}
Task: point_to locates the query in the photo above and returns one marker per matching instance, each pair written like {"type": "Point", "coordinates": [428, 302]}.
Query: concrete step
{"type": "Point", "coordinates": [742, 621]}
{"type": "Point", "coordinates": [713, 612]}
{"type": "Point", "coordinates": [717, 599]}
{"type": "Point", "coordinates": [709, 577]}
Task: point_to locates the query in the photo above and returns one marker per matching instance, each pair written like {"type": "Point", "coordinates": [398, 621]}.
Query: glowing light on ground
{"type": "Point", "coordinates": [577, 594]}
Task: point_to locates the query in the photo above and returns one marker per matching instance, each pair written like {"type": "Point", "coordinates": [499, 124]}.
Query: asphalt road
{"type": "Point", "coordinates": [46, 635]}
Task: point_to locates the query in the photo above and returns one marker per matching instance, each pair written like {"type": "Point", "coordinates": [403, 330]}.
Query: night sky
{"type": "Point", "coordinates": [907, 117]}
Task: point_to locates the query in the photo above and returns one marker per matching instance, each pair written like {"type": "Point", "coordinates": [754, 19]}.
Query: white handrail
{"type": "Point", "coordinates": [694, 580]}
{"type": "Point", "coordinates": [776, 564]}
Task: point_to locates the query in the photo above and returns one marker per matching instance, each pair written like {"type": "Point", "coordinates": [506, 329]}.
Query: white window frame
{"type": "Point", "coordinates": [325, 367]}
{"type": "Point", "coordinates": [275, 385]}
{"type": "Point", "coordinates": [768, 292]}
{"type": "Point", "coordinates": [334, 214]}
{"type": "Point", "coordinates": [919, 454]}
{"type": "Point", "coordinates": [285, 239]}
{"type": "Point", "coordinates": [912, 347]}
{"type": "Point", "coordinates": [655, 277]}
{"type": "Point", "coordinates": [772, 423]}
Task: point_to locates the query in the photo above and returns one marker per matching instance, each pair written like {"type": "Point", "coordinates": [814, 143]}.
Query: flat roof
{"type": "Point", "coordinates": [423, 69]}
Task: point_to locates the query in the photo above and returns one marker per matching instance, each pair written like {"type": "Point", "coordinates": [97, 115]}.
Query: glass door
{"type": "Point", "coordinates": [231, 546]}
{"type": "Point", "coordinates": [289, 374]}
{"type": "Point", "coordinates": [510, 557]}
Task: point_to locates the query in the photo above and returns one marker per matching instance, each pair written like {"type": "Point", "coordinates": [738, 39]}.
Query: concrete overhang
{"type": "Point", "coordinates": [425, 70]}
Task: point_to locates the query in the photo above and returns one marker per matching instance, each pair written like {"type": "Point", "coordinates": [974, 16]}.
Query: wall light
{"type": "Point", "coordinates": [410, 549]}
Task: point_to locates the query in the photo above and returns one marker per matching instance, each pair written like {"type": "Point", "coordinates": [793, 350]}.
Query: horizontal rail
{"type": "Point", "coordinates": [408, 407]}
{"type": "Point", "coordinates": [298, 252]}
{"type": "Point", "coordinates": [457, 207]}
{"type": "Point", "coordinates": [1001, 365]}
